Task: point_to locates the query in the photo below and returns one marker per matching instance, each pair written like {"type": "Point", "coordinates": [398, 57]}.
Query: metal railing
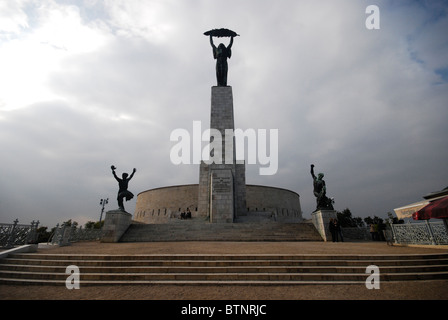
{"type": "Point", "coordinates": [15, 234]}
{"type": "Point", "coordinates": [64, 235]}
{"type": "Point", "coordinates": [426, 233]}
{"type": "Point", "coordinates": [432, 233]}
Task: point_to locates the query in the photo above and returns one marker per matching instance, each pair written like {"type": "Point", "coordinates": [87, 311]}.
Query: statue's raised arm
{"type": "Point", "coordinates": [211, 42]}
{"type": "Point", "coordinates": [230, 44]}
{"type": "Point", "coordinates": [114, 174]}
{"type": "Point", "coordinates": [312, 172]}
{"type": "Point", "coordinates": [132, 174]}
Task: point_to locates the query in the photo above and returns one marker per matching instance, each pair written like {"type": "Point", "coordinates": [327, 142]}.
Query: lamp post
{"type": "Point", "coordinates": [103, 202]}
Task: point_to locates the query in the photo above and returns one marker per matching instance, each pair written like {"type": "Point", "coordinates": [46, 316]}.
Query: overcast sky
{"type": "Point", "coordinates": [87, 84]}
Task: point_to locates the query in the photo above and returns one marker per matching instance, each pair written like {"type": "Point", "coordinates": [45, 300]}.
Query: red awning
{"type": "Point", "coordinates": [437, 209]}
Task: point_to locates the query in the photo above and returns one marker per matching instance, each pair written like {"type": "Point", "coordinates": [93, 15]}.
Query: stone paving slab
{"type": "Point", "coordinates": [427, 290]}
{"type": "Point", "coordinates": [221, 247]}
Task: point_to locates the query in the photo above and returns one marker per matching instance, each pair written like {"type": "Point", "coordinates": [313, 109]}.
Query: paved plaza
{"type": "Point", "coordinates": [427, 290]}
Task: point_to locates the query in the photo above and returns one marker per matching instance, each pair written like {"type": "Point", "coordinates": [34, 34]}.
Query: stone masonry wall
{"type": "Point", "coordinates": [282, 203]}
{"type": "Point", "coordinates": [160, 205]}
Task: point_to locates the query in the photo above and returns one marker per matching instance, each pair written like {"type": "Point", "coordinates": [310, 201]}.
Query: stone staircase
{"type": "Point", "coordinates": [196, 230]}
{"type": "Point", "coordinates": [213, 269]}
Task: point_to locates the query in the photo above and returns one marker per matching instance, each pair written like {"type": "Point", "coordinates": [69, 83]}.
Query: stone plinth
{"type": "Point", "coordinates": [321, 220]}
{"type": "Point", "coordinates": [222, 119]}
{"type": "Point", "coordinates": [115, 225]}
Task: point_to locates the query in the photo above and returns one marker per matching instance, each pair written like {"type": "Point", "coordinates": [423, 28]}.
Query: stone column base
{"type": "Point", "coordinates": [321, 219]}
{"type": "Point", "coordinates": [115, 225]}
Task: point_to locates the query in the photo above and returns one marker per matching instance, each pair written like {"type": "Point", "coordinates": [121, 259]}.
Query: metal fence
{"type": "Point", "coordinates": [64, 235]}
{"type": "Point", "coordinates": [434, 233]}
{"type": "Point", "coordinates": [428, 233]}
{"type": "Point", "coordinates": [15, 234]}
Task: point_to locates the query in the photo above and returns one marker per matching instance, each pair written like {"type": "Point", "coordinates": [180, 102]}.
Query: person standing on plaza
{"type": "Point", "coordinates": [338, 230]}
{"type": "Point", "coordinates": [331, 227]}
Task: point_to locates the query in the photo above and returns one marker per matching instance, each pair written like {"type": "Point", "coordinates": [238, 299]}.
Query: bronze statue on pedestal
{"type": "Point", "coordinates": [221, 53]}
{"type": "Point", "coordinates": [320, 192]}
{"type": "Point", "coordinates": [123, 187]}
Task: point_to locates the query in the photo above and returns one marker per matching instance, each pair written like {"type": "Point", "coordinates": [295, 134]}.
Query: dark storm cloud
{"type": "Point", "coordinates": [367, 107]}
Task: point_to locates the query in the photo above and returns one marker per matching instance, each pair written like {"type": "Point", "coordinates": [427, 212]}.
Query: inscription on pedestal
{"type": "Point", "coordinates": [221, 185]}
{"type": "Point", "coordinates": [222, 200]}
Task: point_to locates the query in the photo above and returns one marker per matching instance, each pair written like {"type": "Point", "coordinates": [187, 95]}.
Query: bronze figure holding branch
{"type": "Point", "coordinates": [221, 53]}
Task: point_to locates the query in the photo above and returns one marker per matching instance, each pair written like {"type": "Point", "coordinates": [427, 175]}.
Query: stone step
{"type": "Point", "coordinates": [217, 263]}
{"type": "Point", "coordinates": [222, 277]}
{"type": "Point", "coordinates": [35, 268]}
{"type": "Point", "coordinates": [347, 258]}
{"type": "Point", "coordinates": [12, 268]}
{"type": "Point", "coordinates": [191, 230]}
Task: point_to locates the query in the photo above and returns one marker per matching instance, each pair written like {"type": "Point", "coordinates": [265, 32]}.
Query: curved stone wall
{"type": "Point", "coordinates": [263, 203]}
{"type": "Point", "coordinates": [283, 204]}
{"type": "Point", "coordinates": [162, 204]}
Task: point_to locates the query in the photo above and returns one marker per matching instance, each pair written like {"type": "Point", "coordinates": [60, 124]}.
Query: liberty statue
{"type": "Point", "coordinates": [221, 53]}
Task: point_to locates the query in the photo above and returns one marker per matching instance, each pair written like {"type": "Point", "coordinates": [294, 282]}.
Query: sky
{"type": "Point", "coordinates": [89, 84]}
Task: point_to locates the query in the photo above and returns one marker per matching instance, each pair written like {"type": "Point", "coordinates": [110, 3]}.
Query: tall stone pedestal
{"type": "Point", "coordinates": [321, 220]}
{"type": "Point", "coordinates": [222, 186]}
{"type": "Point", "coordinates": [115, 225]}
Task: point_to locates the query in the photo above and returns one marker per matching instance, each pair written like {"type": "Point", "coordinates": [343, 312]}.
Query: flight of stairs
{"type": "Point", "coordinates": [214, 269]}
{"type": "Point", "coordinates": [194, 230]}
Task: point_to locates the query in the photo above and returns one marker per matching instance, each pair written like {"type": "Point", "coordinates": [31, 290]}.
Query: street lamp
{"type": "Point", "coordinates": [103, 202]}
